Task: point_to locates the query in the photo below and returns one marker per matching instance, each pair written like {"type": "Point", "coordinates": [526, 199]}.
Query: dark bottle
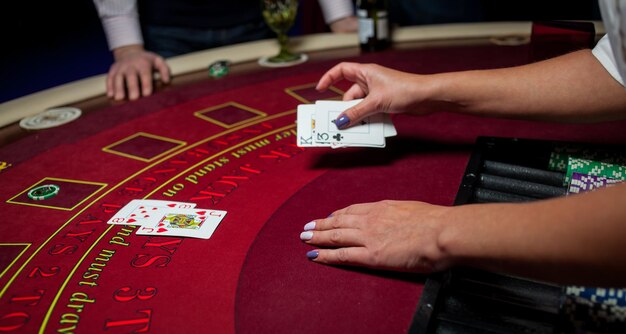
{"type": "Point", "coordinates": [373, 25]}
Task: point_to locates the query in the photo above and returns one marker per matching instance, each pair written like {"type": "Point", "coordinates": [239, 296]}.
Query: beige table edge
{"type": "Point", "coordinates": [14, 110]}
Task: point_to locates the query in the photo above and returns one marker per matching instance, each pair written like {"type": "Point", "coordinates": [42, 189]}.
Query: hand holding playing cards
{"type": "Point", "coordinates": [383, 89]}
{"type": "Point", "coordinates": [392, 235]}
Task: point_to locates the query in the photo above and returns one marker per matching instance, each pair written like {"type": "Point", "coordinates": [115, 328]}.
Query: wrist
{"type": "Point", "coordinates": [426, 94]}
{"type": "Point", "coordinates": [475, 234]}
{"type": "Point", "coordinates": [347, 24]}
{"type": "Point", "coordinates": [449, 241]}
{"type": "Point", "coordinates": [123, 51]}
{"type": "Point", "coordinates": [438, 88]}
{"type": "Point", "coordinates": [446, 91]}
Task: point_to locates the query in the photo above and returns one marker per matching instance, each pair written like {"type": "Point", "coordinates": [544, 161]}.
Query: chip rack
{"type": "Point", "coordinates": [464, 300]}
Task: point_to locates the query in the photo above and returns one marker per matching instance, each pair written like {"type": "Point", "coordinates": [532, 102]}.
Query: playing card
{"type": "Point", "coordinates": [316, 128]}
{"type": "Point", "coordinates": [388, 128]}
{"type": "Point", "coordinates": [193, 223]}
{"type": "Point", "coordinates": [368, 133]}
{"type": "Point", "coordinates": [305, 125]}
{"type": "Point", "coordinates": [140, 211]}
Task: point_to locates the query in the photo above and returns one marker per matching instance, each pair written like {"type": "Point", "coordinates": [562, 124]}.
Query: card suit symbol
{"type": "Point", "coordinates": [133, 215]}
{"type": "Point", "coordinates": [338, 137]}
{"type": "Point", "coordinates": [202, 217]}
{"type": "Point", "coordinates": [171, 205]}
{"type": "Point", "coordinates": [131, 220]}
{"type": "Point", "coordinates": [161, 224]}
{"type": "Point", "coordinates": [363, 122]}
{"type": "Point", "coordinates": [146, 216]}
{"type": "Point", "coordinates": [143, 211]}
{"type": "Point", "coordinates": [201, 212]}
{"type": "Point", "coordinates": [155, 208]}
{"type": "Point", "coordinates": [161, 230]}
{"type": "Point", "coordinates": [142, 207]}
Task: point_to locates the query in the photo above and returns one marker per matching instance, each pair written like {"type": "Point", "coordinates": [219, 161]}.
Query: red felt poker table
{"type": "Point", "coordinates": [229, 144]}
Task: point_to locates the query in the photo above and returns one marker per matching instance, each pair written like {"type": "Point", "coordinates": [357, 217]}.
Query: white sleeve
{"type": "Point", "coordinates": [120, 21]}
{"type": "Point", "coordinates": [604, 53]}
{"type": "Point", "coordinates": [334, 10]}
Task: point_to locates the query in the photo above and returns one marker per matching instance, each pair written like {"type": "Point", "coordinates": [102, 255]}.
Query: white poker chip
{"type": "Point", "coordinates": [510, 40]}
{"type": "Point", "coordinates": [50, 118]}
{"type": "Point", "coordinates": [264, 61]}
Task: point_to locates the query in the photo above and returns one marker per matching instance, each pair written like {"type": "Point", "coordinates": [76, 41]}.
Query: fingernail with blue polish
{"type": "Point", "coordinates": [342, 122]}
{"type": "Point", "coordinates": [309, 226]}
{"type": "Point", "coordinates": [312, 255]}
{"type": "Point", "coordinates": [306, 235]}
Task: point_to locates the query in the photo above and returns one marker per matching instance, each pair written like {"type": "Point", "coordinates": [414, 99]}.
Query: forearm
{"type": "Point", "coordinates": [571, 88]}
{"type": "Point", "coordinates": [575, 240]}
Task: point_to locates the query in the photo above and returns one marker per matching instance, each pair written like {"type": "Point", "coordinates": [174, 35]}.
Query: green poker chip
{"type": "Point", "coordinates": [43, 192]}
{"type": "Point", "coordinates": [595, 168]}
{"type": "Point", "coordinates": [219, 69]}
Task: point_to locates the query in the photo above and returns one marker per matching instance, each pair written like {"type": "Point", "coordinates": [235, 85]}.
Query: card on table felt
{"type": "Point", "coordinates": [140, 211]}
{"type": "Point", "coordinates": [316, 127]}
{"type": "Point", "coordinates": [193, 223]}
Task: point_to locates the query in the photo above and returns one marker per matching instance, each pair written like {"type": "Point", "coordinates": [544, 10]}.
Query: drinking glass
{"type": "Point", "coordinates": [280, 16]}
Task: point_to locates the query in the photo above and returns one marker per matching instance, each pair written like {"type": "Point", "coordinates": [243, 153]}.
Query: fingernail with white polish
{"type": "Point", "coordinates": [309, 226]}
{"type": "Point", "coordinates": [312, 255]}
{"type": "Point", "coordinates": [306, 235]}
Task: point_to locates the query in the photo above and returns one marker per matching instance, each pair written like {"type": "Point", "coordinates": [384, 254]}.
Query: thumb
{"type": "Point", "coordinates": [355, 114]}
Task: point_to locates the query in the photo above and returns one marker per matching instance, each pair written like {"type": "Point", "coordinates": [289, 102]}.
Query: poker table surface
{"type": "Point", "coordinates": [229, 144]}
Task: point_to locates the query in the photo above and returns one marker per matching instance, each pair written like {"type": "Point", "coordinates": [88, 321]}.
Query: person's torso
{"type": "Point", "coordinates": [199, 13]}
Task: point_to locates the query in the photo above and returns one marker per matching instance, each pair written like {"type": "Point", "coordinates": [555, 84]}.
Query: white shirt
{"type": "Point", "coordinates": [611, 49]}
{"type": "Point", "coordinates": [120, 19]}
{"type": "Point", "coordinates": [334, 10]}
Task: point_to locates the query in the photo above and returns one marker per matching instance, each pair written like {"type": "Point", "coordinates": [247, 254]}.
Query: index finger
{"type": "Point", "coordinates": [333, 222]}
{"type": "Point", "coordinates": [335, 74]}
{"type": "Point", "coordinates": [355, 114]}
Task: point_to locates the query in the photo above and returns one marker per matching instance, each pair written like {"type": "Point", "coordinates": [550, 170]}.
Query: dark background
{"type": "Point", "coordinates": [48, 43]}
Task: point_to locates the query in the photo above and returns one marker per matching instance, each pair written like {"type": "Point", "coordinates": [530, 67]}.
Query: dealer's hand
{"type": "Point", "coordinates": [132, 72]}
{"type": "Point", "coordinates": [394, 235]}
{"type": "Point", "coordinates": [383, 89]}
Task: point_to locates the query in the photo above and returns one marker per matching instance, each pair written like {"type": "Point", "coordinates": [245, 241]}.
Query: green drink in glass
{"type": "Point", "coordinates": [280, 16]}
